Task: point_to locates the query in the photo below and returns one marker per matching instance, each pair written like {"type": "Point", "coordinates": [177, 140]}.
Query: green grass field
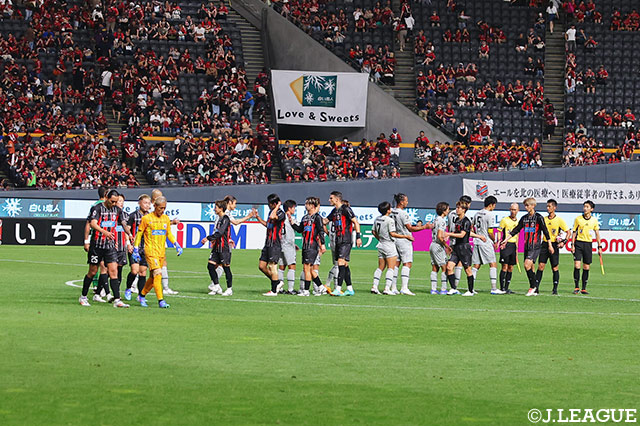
{"type": "Point", "coordinates": [365, 359]}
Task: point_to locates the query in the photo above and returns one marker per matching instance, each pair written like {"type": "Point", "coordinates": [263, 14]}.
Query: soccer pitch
{"type": "Point", "coordinates": [317, 360]}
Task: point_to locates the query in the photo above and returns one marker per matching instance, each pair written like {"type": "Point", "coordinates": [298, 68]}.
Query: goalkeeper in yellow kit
{"type": "Point", "coordinates": [155, 228]}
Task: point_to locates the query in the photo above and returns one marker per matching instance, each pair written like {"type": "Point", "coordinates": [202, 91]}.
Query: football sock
{"type": "Point", "coordinates": [503, 277]}
{"type": "Point", "coordinates": [347, 276]}
{"type": "Point", "coordinates": [576, 277]}
{"type": "Point", "coordinates": [228, 275]}
{"type": "Point", "coordinates": [341, 273]}
{"type": "Point", "coordinates": [307, 284]}
{"type": "Point", "coordinates": [532, 278]}
{"type": "Point", "coordinates": [457, 273]}
{"type": "Point", "coordinates": [404, 276]}
{"type": "Point", "coordinates": [388, 282]}
{"type": "Point", "coordinates": [291, 279]}
{"type": "Point", "coordinates": [147, 286]}
{"type": "Point", "coordinates": [333, 275]}
{"type": "Point", "coordinates": [86, 284]}
{"type": "Point", "coordinates": [434, 281]}
{"type": "Point", "coordinates": [280, 274]}
{"type": "Point", "coordinates": [274, 285]}
{"type": "Point", "coordinates": [212, 273]}
{"type": "Point", "coordinates": [493, 275]}
{"type": "Point", "coordinates": [115, 287]}
{"type": "Point", "coordinates": [507, 280]}
{"type": "Point", "coordinates": [130, 279]}
{"type": "Point", "coordinates": [474, 272]}
{"type": "Point", "coordinates": [157, 286]}
{"type": "Point", "coordinates": [470, 280]}
{"type": "Point", "coordinates": [317, 282]}
{"type": "Point", "coordinates": [556, 280]}
{"type": "Point", "coordinates": [302, 276]}
{"type": "Point", "coordinates": [539, 276]}
{"type": "Point", "coordinates": [452, 281]}
{"type": "Point", "coordinates": [219, 271]}
{"type": "Point", "coordinates": [443, 280]}
{"type": "Point", "coordinates": [394, 283]}
{"type": "Point", "coordinates": [103, 279]}
{"type": "Point", "coordinates": [165, 278]}
{"type": "Point", "coordinates": [120, 273]}
{"type": "Point", "coordinates": [376, 278]}
{"type": "Point", "coordinates": [585, 278]}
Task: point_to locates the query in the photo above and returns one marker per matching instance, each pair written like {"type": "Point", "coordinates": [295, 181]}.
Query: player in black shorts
{"type": "Point", "coordinates": [105, 217]}
{"type": "Point", "coordinates": [534, 228]}
{"type": "Point", "coordinates": [220, 249]}
{"type": "Point", "coordinates": [461, 250]}
{"type": "Point", "coordinates": [312, 229]}
{"type": "Point", "coordinates": [272, 246]}
{"type": "Point", "coordinates": [344, 221]}
{"type": "Point", "coordinates": [138, 267]}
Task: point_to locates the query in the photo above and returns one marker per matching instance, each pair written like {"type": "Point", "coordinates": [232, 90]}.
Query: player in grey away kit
{"type": "Point", "coordinates": [485, 252]}
{"type": "Point", "coordinates": [439, 249]}
{"type": "Point", "coordinates": [384, 229]}
{"type": "Point", "coordinates": [404, 245]}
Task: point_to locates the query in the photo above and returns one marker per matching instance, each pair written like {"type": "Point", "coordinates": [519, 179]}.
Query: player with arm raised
{"type": "Point", "coordinates": [485, 251]}
{"type": "Point", "coordinates": [105, 217]}
{"type": "Point", "coordinates": [139, 267]}
{"type": "Point", "coordinates": [582, 248]}
{"type": "Point", "coordinates": [155, 228]}
{"type": "Point", "coordinates": [534, 228]}
{"type": "Point", "coordinates": [461, 251]}
{"type": "Point", "coordinates": [220, 250]}
{"type": "Point", "coordinates": [508, 254]}
{"type": "Point", "coordinates": [439, 250]}
{"type": "Point", "coordinates": [344, 221]}
{"type": "Point", "coordinates": [272, 245]}
{"type": "Point", "coordinates": [555, 225]}
{"type": "Point", "coordinates": [313, 247]}
{"type": "Point", "coordinates": [404, 245]}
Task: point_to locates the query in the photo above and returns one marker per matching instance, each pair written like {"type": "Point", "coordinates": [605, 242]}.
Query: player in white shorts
{"type": "Point", "coordinates": [403, 245]}
{"type": "Point", "coordinates": [288, 255]}
{"type": "Point", "coordinates": [439, 250]}
{"type": "Point", "coordinates": [384, 229]}
{"type": "Point", "coordinates": [484, 252]}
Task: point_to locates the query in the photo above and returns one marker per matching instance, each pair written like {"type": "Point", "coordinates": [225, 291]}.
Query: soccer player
{"type": "Point", "coordinates": [220, 249]}
{"type": "Point", "coordinates": [231, 206]}
{"type": "Point", "coordinates": [485, 251]}
{"type": "Point", "coordinates": [453, 216]}
{"type": "Point", "coordinates": [404, 245]}
{"type": "Point", "coordinates": [313, 247]}
{"type": "Point", "coordinates": [122, 240]}
{"type": "Point", "coordinates": [508, 254]}
{"type": "Point", "coordinates": [272, 245]}
{"type": "Point", "coordinates": [343, 220]}
{"type": "Point", "coordinates": [154, 228]}
{"type": "Point", "coordinates": [155, 194]}
{"type": "Point", "coordinates": [332, 276]}
{"type": "Point", "coordinates": [461, 252]}
{"type": "Point", "coordinates": [555, 224]}
{"type": "Point", "coordinates": [439, 250]}
{"type": "Point", "coordinates": [384, 229]}
{"type": "Point", "coordinates": [100, 281]}
{"type": "Point", "coordinates": [582, 248]}
{"type": "Point", "coordinates": [138, 268]}
{"type": "Point", "coordinates": [105, 217]}
{"type": "Point", "coordinates": [288, 256]}
{"type": "Point", "coordinates": [534, 228]}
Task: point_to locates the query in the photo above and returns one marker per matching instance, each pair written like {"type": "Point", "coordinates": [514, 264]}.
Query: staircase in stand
{"type": "Point", "coordinates": [554, 59]}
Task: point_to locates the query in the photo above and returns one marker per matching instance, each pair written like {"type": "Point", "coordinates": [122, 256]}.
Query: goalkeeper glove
{"type": "Point", "coordinates": [178, 249]}
{"type": "Point", "coordinates": [136, 254]}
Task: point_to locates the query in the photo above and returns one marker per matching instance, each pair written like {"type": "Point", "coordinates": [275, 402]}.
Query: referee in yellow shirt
{"type": "Point", "coordinates": [509, 254]}
{"type": "Point", "coordinates": [555, 224]}
{"type": "Point", "coordinates": [155, 228]}
{"type": "Point", "coordinates": [583, 245]}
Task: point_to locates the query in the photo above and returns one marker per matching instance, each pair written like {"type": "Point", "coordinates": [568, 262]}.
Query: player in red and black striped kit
{"type": "Point", "coordinates": [272, 246]}
{"type": "Point", "coordinates": [344, 221]}
{"type": "Point", "coordinates": [220, 249]}
{"type": "Point", "coordinates": [104, 218]}
{"type": "Point", "coordinates": [534, 227]}
{"type": "Point", "coordinates": [312, 230]}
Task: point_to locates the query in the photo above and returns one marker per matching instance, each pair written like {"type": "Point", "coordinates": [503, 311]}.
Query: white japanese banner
{"type": "Point", "coordinates": [326, 99]}
{"type": "Point", "coordinates": [562, 192]}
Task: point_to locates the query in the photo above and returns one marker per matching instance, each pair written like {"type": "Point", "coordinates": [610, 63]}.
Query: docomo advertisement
{"type": "Point", "coordinates": [333, 99]}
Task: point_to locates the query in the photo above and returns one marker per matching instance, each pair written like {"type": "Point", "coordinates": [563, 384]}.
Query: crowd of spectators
{"type": "Point", "coordinates": [581, 149]}
{"type": "Point", "coordinates": [53, 161]}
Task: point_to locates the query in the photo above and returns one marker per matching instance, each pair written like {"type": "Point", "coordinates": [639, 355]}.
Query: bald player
{"type": "Point", "coordinates": [155, 194]}
{"type": "Point", "coordinates": [509, 254]}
